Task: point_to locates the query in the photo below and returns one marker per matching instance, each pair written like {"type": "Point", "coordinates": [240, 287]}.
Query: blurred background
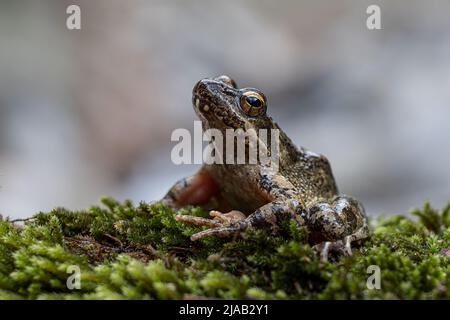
{"type": "Point", "coordinates": [86, 113]}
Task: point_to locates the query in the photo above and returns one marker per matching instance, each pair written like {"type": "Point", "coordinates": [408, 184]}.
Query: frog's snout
{"type": "Point", "coordinates": [202, 94]}
{"type": "Point", "coordinates": [213, 98]}
{"type": "Point", "coordinates": [207, 90]}
{"type": "Point", "coordinates": [196, 87]}
{"type": "Point", "coordinates": [201, 87]}
{"type": "Point", "coordinates": [207, 84]}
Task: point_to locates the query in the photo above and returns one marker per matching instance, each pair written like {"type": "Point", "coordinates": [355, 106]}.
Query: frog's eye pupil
{"type": "Point", "coordinates": [254, 101]}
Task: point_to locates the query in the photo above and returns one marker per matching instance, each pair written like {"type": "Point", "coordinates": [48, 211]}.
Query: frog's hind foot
{"type": "Point", "coordinates": [342, 248]}
{"type": "Point", "coordinates": [200, 189]}
{"type": "Point", "coordinates": [337, 225]}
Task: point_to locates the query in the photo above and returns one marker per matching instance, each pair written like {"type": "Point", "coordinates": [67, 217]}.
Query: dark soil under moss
{"type": "Point", "coordinates": [141, 252]}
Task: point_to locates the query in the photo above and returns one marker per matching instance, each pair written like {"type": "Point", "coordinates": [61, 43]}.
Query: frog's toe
{"type": "Point", "coordinates": [348, 246]}
{"type": "Point", "coordinates": [338, 247]}
{"type": "Point", "coordinates": [227, 218]}
{"type": "Point", "coordinates": [198, 221]}
{"type": "Point", "coordinates": [325, 248]}
{"type": "Point", "coordinates": [220, 232]}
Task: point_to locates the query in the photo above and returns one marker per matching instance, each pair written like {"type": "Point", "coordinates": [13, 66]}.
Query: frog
{"type": "Point", "coordinates": [240, 197]}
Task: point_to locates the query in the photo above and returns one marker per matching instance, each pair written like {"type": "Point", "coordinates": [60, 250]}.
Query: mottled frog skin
{"type": "Point", "coordinates": [303, 188]}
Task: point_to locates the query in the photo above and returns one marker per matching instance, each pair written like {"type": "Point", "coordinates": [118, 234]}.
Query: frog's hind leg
{"type": "Point", "coordinates": [337, 224]}
{"type": "Point", "coordinates": [199, 189]}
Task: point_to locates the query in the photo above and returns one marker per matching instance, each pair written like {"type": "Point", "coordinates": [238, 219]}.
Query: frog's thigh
{"type": "Point", "coordinates": [195, 190]}
{"type": "Point", "coordinates": [343, 218]}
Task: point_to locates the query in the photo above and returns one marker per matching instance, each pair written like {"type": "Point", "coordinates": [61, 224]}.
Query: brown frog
{"type": "Point", "coordinates": [302, 188]}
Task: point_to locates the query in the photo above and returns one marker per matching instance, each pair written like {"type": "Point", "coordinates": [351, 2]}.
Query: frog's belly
{"type": "Point", "coordinates": [239, 190]}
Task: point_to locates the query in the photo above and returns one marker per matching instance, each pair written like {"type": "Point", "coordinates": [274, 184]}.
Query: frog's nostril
{"type": "Point", "coordinates": [195, 89]}
{"type": "Point", "coordinates": [200, 86]}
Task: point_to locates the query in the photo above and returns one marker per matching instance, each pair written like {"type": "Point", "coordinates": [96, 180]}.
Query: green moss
{"type": "Point", "coordinates": [140, 252]}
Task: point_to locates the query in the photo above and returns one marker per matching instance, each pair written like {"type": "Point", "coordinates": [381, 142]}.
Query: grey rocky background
{"type": "Point", "coordinates": [89, 113]}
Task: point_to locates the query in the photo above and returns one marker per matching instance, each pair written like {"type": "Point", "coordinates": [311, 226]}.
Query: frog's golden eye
{"type": "Point", "coordinates": [253, 103]}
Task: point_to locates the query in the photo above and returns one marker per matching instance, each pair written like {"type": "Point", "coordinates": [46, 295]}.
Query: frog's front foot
{"type": "Point", "coordinates": [227, 218]}
{"type": "Point", "coordinates": [223, 225]}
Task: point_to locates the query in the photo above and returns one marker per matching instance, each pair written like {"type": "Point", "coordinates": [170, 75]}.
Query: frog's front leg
{"type": "Point", "coordinates": [284, 205]}
{"type": "Point", "coordinates": [267, 217]}
{"type": "Point", "coordinates": [337, 224]}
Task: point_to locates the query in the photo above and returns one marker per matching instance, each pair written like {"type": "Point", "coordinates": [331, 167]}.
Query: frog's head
{"type": "Point", "coordinates": [221, 105]}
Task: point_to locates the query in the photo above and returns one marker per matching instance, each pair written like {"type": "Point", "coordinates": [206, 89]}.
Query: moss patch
{"type": "Point", "coordinates": [141, 252]}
